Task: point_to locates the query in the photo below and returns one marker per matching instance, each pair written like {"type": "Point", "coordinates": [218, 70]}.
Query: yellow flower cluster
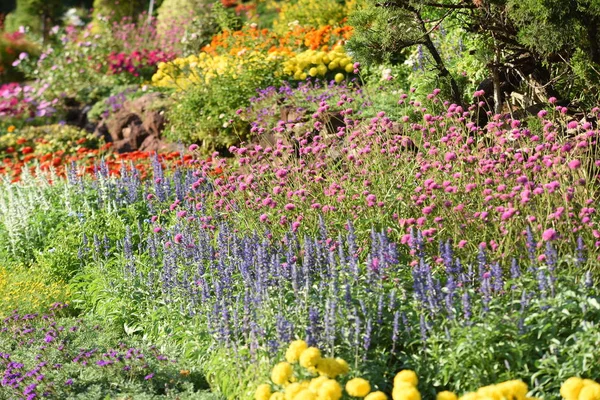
{"type": "Point", "coordinates": [185, 72]}
{"type": "Point", "coordinates": [319, 63]}
{"type": "Point", "coordinates": [24, 291]}
{"type": "Point", "coordinates": [314, 380]}
{"type": "Point", "coordinates": [515, 389]}
{"type": "Point", "coordinates": [314, 13]}
{"type": "Point", "coordinates": [580, 389]}
{"type": "Point", "coordinates": [326, 387]}
{"type": "Point", "coordinates": [405, 386]}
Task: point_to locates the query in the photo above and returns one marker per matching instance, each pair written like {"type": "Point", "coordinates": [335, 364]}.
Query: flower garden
{"type": "Point", "coordinates": [300, 200]}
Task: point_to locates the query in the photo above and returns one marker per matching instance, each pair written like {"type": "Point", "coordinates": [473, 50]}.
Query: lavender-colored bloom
{"type": "Point", "coordinates": [367, 337]}
{"type": "Point", "coordinates": [313, 329]}
{"type": "Point", "coordinates": [551, 261]}
{"type": "Point", "coordinates": [466, 304]}
{"type": "Point", "coordinates": [423, 328]}
{"type": "Point", "coordinates": [531, 249]}
{"type": "Point", "coordinates": [486, 290]}
{"type": "Point", "coordinates": [395, 330]}
{"type": "Point", "coordinates": [581, 258]}
{"type": "Point", "coordinates": [589, 282]}
{"type": "Point", "coordinates": [498, 284]}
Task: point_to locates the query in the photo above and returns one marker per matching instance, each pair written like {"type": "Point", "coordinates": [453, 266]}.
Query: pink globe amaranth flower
{"type": "Point", "coordinates": [427, 210]}
{"type": "Point", "coordinates": [157, 229]}
{"type": "Point", "coordinates": [462, 244]}
{"type": "Point", "coordinates": [263, 217]}
{"type": "Point", "coordinates": [552, 100]}
{"type": "Point", "coordinates": [178, 238]}
{"type": "Point", "coordinates": [193, 147]}
{"type": "Point", "coordinates": [574, 164]}
{"type": "Point", "coordinates": [542, 113]}
{"type": "Point", "coordinates": [450, 156]}
{"type": "Point", "coordinates": [289, 206]}
{"type": "Point", "coordinates": [573, 125]}
{"type": "Point", "coordinates": [549, 234]}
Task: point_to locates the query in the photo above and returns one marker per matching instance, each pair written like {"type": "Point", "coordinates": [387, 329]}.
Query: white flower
{"type": "Point", "coordinates": [386, 74]}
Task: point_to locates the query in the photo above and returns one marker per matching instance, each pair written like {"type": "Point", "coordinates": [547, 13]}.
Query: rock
{"type": "Point", "coordinates": [138, 125]}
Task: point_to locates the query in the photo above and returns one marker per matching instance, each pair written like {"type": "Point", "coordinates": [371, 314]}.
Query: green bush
{"type": "Point", "coordinates": [116, 10]}
{"type": "Point", "coordinates": [205, 113]}
{"type": "Point", "coordinates": [11, 46]}
{"type": "Point", "coordinates": [30, 13]}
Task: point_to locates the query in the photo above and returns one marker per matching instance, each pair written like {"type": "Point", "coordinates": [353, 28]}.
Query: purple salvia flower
{"type": "Point", "coordinates": [581, 258]}
{"type": "Point", "coordinates": [466, 305]}
{"type": "Point", "coordinates": [551, 261]}
{"type": "Point", "coordinates": [531, 247]}
{"type": "Point", "coordinates": [498, 284]}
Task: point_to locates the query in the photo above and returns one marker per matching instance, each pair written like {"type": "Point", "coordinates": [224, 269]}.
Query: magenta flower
{"type": "Point", "coordinates": [289, 206]}
{"type": "Point", "coordinates": [549, 234]}
{"type": "Point", "coordinates": [574, 164]}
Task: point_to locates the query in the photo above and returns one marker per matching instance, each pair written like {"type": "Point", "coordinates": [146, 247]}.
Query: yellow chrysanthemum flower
{"type": "Point", "coordinates": [282, 373]}
{"type": "Point", "coordinates": [330, 390]}
{"type": "Point", "coordinates": [344, 367]}
{"type": "Point", "coordinates": [446, 395]}
{"type": "Point", "coordinates": [590, 392]}
{"type": "Point", "coordinates": [376, 396]}
{"type": "Point", "coordinates": [316, 383]}
{"type": "Point", "coordinates": [263, 392]}
{"type": "Point", "coordinates": [292, 390]}
{"type": "Point", "coordinates": [358, 387]}
{"type": "Point", "coordinates": [310, 357]}
{"type": "Point", "coordinates": [406, 392]}
{"type": "Point", "coordinates": [292, 355]}
{"type": "Point", "coordinates": [491, 392]}
{"type": "Point", "coordinates": [407, 376]}
{"type": "Point", "coordinates": [305, 394]}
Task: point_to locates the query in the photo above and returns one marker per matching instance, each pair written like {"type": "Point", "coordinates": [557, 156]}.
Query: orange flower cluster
{"type": "Point", "coordinates": [326, 36]}
{"type": "Point", "coordinates": [87, 159]}
{"type": "Point", "coordinates": [297, 39]}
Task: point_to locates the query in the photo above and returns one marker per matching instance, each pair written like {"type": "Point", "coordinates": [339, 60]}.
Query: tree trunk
{"type": "Point", "coordinates": [496, 81]}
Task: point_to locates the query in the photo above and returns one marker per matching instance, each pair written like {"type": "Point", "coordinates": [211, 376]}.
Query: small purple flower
{"type": "Point", "coordinates": [149, 376]}
{"type": "Point", "coordinates": [69, 382]}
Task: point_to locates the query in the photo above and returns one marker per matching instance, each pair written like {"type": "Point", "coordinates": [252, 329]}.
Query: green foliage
{"type": "Point", "coordinates": [29, 292]}
{"type": "Point", "coordinates": [206, 113]}
{"type": "Point", "coordinates": [196, 15]}
{"type": "Point", "coordinates": [11, 46]}
{"type": "Point", "coordinates": [382, 34]}
{"type": "Point", "coordinates": [117, 10]}
{"type": "Point", "coordinates": [48, 139]}
{"type": "Point", "coordinates": [315, 13]}
{"type": "Point", "coordinates": [31, 13]}
{"type": "Point", "coordinates": [87, 358]}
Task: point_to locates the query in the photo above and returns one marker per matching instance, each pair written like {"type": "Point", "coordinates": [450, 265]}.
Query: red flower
{"type": "Point", "coordinates": [27, 150]}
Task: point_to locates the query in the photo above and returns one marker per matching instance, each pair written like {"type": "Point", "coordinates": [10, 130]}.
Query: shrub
{"type": "Point", "coordinates": [211, 89]}
{"type": "Point", "coordinates": [117, 10]}
{"type": "Point", "coordinates": [68, 358]}
{"type": "Point", "coordinates": [29, 292]}
{"type": "Point", "coordinates": [195, 15]}
{"type": "Point", "coordinates": [30, 13]}
{"type": "Point", "coordinates": [312, 13]}
{"type": "Point", "coordinates": [12, 46]}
